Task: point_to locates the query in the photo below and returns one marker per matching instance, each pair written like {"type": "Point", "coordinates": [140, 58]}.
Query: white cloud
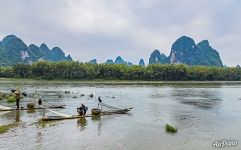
{"type": "Point", "coordinates": [104, 29]}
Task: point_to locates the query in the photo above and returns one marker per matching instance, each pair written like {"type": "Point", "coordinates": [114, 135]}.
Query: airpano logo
{"type": "Point", "coordinates": [225, 143]}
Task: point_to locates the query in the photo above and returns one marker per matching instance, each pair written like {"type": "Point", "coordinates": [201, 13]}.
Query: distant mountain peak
{"type": "Point", "coordinates": [141, 62]}
{"type": "Point", "coordinates": [69, 58]}
{"type": "Point", "coordinates": [158, 58]}
{"type": "Point", "coordinates": [184, 50]}
{"type": "Point", "coordinates": [13, 51]}
{"type": "Point", "coordinates": [11, 37]}
{"type": "Point", "coordinates": [56, 48]}
{"type": "Point", "coordinates": [204, 43]}
{"type": "Point", "coordinates": [32, 45]}
{"type": "Point", "coordinates": [12, 40]}
{"type": "Point", "coordinates": [119, 60]}
{"type": "Point", "coordinates": [58, 51]}
{"type": "Point", "coordinates": [109, 61]}
{"type": "Point", "coordinates": [93, 61]}
{"type": "Point", "coordinates": [185, 37]}
{"type": "Point", "coordinates": [44, 46]}
{"type": "Point", "coordinates": [119, 57]}
{"type": "Point", "coordinates": [183, 43]}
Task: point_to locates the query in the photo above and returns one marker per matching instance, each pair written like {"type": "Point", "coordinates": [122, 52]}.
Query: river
{"type": "Point", "coordinates": [203, 112]}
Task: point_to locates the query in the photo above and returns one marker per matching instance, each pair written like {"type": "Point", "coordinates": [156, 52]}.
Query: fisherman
{"type": "Point", "coordinates": [17, 96]}
{"type": "Point", "coordinates": [82, 110]}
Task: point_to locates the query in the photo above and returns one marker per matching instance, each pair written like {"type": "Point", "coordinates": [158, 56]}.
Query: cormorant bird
{"type": "Point", "coordinates": [99, 100]}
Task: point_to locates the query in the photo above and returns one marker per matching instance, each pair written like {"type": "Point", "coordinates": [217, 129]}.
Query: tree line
{"type": "Point", "coordinates": [86, 71]}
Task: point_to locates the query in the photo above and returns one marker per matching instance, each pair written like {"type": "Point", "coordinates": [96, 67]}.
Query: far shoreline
{"type": "Point", "coordinates": [102, 81]}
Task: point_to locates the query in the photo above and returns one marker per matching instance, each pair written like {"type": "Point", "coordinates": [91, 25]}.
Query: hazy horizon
{"type": "Point", "coordinates": [130, 29]}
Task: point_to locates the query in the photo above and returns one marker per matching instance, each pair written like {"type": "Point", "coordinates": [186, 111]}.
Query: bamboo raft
{"type": "Point", "coordinates": [104, 113]}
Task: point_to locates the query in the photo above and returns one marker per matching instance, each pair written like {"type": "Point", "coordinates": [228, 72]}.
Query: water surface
{"type": "Point", "coordinates": [203, 112]}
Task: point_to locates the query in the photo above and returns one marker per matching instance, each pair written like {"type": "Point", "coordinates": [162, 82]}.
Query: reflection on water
{"type": "Point", "coordinates": [99, 126]}
{"type": "Point", "coordinates": [11, 116]}
{"type": "Point", "coordinates": [17, 118]}
{"type": "Point", "coordinates": [82, 123]}
{"type": "Point", "coordinates": [96, 118]}
{"type": "Point", "coordinates": [31, 111]}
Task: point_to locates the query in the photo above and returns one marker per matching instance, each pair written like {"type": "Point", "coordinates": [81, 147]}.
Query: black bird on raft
{"type": "Point", "coordinates": [24, 94]}
{"type": "Point", "coordinates": [99, 99]}
{"type": "Point", "coordinates": [40, 101]}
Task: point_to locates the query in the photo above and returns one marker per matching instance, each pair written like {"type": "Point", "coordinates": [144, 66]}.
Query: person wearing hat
{"type": "Point", "coordinates": [17, 97]}
{"type": "Point", "coordinates": [82, 110]}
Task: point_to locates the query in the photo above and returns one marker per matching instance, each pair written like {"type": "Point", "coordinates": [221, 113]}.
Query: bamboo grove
{"type": "Point", "coordinates": [85, 71]}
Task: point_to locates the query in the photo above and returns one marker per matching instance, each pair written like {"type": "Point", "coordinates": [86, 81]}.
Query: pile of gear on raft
{"type": "Point", "coordinates": [95, 111]}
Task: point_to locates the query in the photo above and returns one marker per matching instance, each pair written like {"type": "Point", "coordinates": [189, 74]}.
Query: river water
{"type": "Point", "coordinates": [203, 112]}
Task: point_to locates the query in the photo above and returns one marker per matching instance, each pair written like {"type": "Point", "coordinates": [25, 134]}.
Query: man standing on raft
{"type": "Point", "coordinates": [17, 96]}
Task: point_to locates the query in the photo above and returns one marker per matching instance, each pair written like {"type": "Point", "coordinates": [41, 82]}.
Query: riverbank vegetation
{"type": "Point", "coordinates": [5, 128]}
{"type": "Point", "coordinates": [7, 96]}
{"type": "Point", "coordinates": [11, 99]}
{"type": "Point", "coordinates": [3, 96]}
{"type": "Point", "coordinates": [155, 72]}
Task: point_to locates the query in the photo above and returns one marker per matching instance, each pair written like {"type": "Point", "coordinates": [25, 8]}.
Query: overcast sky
{"type": "Point", "coordinates": [104, 29]}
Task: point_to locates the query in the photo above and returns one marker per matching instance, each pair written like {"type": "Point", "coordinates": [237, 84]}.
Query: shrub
{"type": "Point", "coordinates": [170, 129]}
{"type": "Point", "coordinates": [11, 99]}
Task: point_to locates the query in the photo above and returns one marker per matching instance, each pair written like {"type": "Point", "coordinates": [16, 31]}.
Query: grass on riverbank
{"type": "Point", "coordinates": [5, 128]}
{"type": "Point", "coordinates": [170, 129]}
